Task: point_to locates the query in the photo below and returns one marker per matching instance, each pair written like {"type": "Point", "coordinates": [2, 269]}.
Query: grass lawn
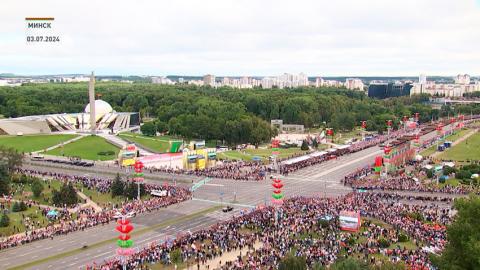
{"type": "Point", "coordinates": [87, 148]}
{"type": "Point", "coordinates": [248, 154]}
{"type": "Point", "coordinates": [468, 149]}
{"type": "Point", "coordinates": [158, 143]}
{"type": "Point", "coordinates": [432, 149]}
{"type": "Point", "coordinates": [33, 213]}
{"type": "Point", "coordinates": [451, 182]}
{"type": "Point", "coordinates": [30, 143]}
{"type": "Point", "coordinates": [24, 191]}
{"type": "Point", "coordinates": [345, 136]}
{"type": "Point", "coordinates": [102, 199]}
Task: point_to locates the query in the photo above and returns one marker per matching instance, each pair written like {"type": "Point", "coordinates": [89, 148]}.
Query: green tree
{"type": "Point", "coordinates": [4, 181]}
{"type": "Point", "coordinates": [37, 188]}
{"type": "Point", "coordinates": [463, 246]}
{"type": "Point", "coordinates": [118, 186]}
{"type": "Point", "coordinates": [176, 256]}
{"type": "Point", "coordinates": [149, 129]}
{"type": "Point", "coordinates": [315, 143]}
{"type": "Point", "coordinates": [65, 196]}
{"type": "Point", "coordinates": [304, 146]}
{"type": "Point", "coordinates": [10, 158]}
{"type": "Point", "coordinates": [16, 207]}
{"type": "Point", "coordinates": [387, 265]}
{"type": "Point", "coordinates": [162, 127]}
{"type": "Point", "coordinates": [131, 190]}
{"type": "Point", "coordinates": [343, 121]}
{"type": "Point", "coordinates": [349, 264]}
{"type": "Point", "coordinates": [293, 263]}
{"type": "Point", "coordinates": [4, 221]}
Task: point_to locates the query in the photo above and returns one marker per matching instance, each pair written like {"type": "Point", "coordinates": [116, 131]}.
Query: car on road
{"type": "Point", "coordinates": [227, 209]}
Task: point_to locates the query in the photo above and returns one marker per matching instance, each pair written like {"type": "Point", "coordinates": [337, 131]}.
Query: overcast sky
{"type": "Point", "coordinates": [245, 37]}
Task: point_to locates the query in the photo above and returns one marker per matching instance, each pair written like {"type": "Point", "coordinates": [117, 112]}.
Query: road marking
{"type": "Point", "coordinates": [215, 185]}
{"type": "Point", "coordinates": [101, 254]}
{"type": "Point", "coordinates": [226, 203]}
{"type": "Point", "coordinates": [342, 166]}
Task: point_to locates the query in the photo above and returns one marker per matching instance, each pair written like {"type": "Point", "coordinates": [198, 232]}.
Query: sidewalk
{"type": "Point", "coordinates": [89, 202]}
{"type": "Point", "coordinates": [60, 144]}
{"type": "Point", "coordinates": [459, 140]}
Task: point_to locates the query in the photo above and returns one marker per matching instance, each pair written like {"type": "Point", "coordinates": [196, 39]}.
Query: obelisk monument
{"type": "Point", "coordinates": [91, 95]}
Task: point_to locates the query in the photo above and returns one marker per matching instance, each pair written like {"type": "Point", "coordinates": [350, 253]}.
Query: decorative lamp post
{"type": "Point", "coordinates": [364, 128]}
{"type": "Point", "coordinates": [275, 152]}
{"type": "Point", "coordinates": [124, 242]}
{"type": "Point", "coordinates": [386, 157]}
{"type": "Point", "coordinates": [389, 126]}
{"type": "Point", "coordinates": [378, 164]}
{"type": "Point", "coordinates": [138, 175]}
{"type": "Point", "coordinates": [277, 196]}
{"type": "Point", "coordinates": [416, 141]}
{"type": "Point", "coordinates": [330, 132]}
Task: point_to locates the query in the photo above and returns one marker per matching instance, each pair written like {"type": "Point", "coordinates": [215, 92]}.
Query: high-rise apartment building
{"type": "Point", "coordinates": [209, 80]}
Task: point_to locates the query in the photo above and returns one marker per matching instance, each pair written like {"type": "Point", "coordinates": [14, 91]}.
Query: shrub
{"type": "Point", "coordinates": [447, 170]}
{"type": "Point", "coordinates": [176, 256]}
{"type": "Point", "coordinates": [16, 207]}
{"type": "Point", "coordinates": [37, 188]}
{"type": "Point", "coordinates": [323, 223]}
{"type": "Point", "coordinates": [402, 238]}
{"type": "Point", "coordinates": [416, 216]}
{"type": "Point", "coordinates": [106, 153]}
{"type": "Point", "coordinates": [4, 220]}
{"type": "Point", "coordinates": [383, 243]}
{"type": "Point", "coordinates": [293, 262]}
{"type": "Point", "coordinates": [429, 173]}
{"type": "Point", "coordinates": [463, 174]}
{"type": "Point", "coordinates": [23, 206]}
{"type": "Point", "coordinates": [350, 241]}
{"type": "Point", "coordinates": [304, 146]}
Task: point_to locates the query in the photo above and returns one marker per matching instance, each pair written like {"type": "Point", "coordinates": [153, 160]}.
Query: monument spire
{"type": "Point", "coordinates": [91, 94]}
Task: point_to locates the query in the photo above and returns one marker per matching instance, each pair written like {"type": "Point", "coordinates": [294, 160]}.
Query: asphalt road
{"type": "Point", "coordinates": [319, 180]}
{"type": "Point", "coordinates": [60, 244]}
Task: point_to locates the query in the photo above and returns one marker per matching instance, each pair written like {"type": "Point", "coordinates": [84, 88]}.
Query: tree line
{"type": "Point", "coordinates": [231, 115]}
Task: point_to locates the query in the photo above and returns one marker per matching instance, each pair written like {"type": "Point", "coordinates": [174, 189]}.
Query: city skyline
{"type": "Point", "coordinates": [247, 39]}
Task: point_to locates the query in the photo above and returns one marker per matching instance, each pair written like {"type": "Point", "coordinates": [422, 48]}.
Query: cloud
{"type": "Point", "coordinates": [232, 37]}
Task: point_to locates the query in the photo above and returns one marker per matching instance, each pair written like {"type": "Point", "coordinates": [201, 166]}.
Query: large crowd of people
{"type": "Point", "coordinates": [236, 170]}
{"type": "Point", "coordinates": [286, 168]}
{"type": "Point", "coordinates": [362, 179]}
{"type": "Point", "coordinates": [89, 217]}
{"type": "Point", "coordinates": [298, 229]}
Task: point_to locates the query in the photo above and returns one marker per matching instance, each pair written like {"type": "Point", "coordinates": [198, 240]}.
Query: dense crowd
{"type": "Point", "coordinates": [361, 179]}
{"type": "Point", "coordinates": [299, 229]}
{"type": "Point", "coordinates": [236, 170]}
{"type": "Point", "coordinates": [88, 217]}
{"type": "Point", "coordinates": [285, 168]}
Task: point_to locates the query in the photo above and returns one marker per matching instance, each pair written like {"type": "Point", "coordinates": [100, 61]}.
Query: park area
{"type": "Point", "coordinates": [454, 137]}
{"type": "Point", "coordinates": [249, 154]}
{"type": "Point", "coordinates": [31, 143]}
{"type": "Point", "coordinates": [157, 144]}
{"type": "Point", "coordinates": [468, 149]}
{"type": "Point", "coordinates": [88, 147]}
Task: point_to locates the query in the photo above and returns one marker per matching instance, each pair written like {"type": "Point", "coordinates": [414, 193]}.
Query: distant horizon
{"type": "Point", "coordinates": [221, 76]}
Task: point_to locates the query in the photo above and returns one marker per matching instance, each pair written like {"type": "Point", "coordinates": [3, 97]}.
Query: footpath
{"type": "Point", "coordinates": [459, 140]}
{"type": "Point", "coordinates": [60, 144]}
